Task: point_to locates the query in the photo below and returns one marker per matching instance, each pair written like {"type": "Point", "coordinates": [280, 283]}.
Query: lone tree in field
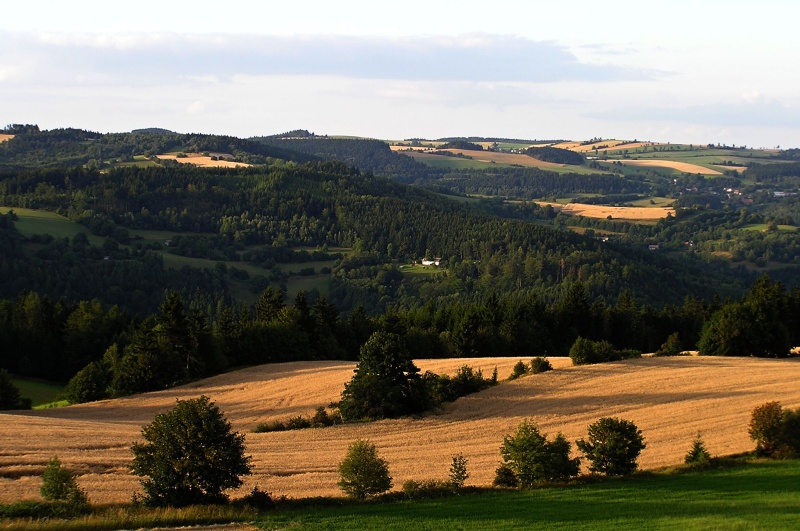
{"type": "Point", "coordinates": [613, 446]}
{"type": "Point", "coordinates": [386, 382]}
{"type": "Point", "coordinates": [191, 456]}
{"type": "Point", "coordinates": [363, 472]}
{"type": "Point", "coordinates": [534, 459]}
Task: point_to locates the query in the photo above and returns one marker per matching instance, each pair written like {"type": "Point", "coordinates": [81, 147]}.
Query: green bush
{"type": "Point", "coordinates": [59, 485]}
{"type": "Point", "coordinates": [671, 347]}
{"type": "Point", "coordinates": [519, 369]}
{"type": "Point", "coordinates": [766, 426]}
{"type": "Point", "coordinates": [190, 456]}
{"type": "Point", "coordinates": [363, 472]}
{"type": "Point", "coordinates": [585, 352]}
{"type": "Point", "coordinates": [267, 427]}
{"type": "Point", "coordinates": [775, 430]}
{"type": "Point", "coordinates": [504, 476]}
{"type": "Point", "coordinates": [534, 459]}
{"type": "Point", "coordinates": [540, 365]}
{"type": "Point", "coordinates": [613, 446]}
{"type": "Point", "coordinates": [429, 488]}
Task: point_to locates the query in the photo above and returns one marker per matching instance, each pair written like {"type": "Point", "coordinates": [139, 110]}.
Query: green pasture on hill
{"type": "Point", "coordinates": [762, 495]}
{"type": "Point", "coordinates": [39, 391]}
{"type": "Point", "coordinates": [31, 222]}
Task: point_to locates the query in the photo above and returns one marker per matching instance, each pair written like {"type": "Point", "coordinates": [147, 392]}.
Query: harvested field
{"type": "Point", "coordinates": [670, 399]}
{"type": "Point", "coordinates": [672, 164]}
{"type": "Point", "coordinates": [3, 138]}
{"type": "Point", "coordinates": [205, 162]}
{"type": "Point", "coordinates": [611, 145]}
{"type": "Point", "coordinates": [603, 211]}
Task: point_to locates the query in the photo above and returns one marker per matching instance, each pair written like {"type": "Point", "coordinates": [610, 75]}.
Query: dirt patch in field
{"type": "Point", "coordinates": [670, 399]}
{"type": "Point", "coordinates": [204, 161]}
{"type": "Point", "coordinates": [4, 138]}
{"type": "Point", "coordinates": [672, 164]}
{"type": "Point", "coordinates": [603, 211]}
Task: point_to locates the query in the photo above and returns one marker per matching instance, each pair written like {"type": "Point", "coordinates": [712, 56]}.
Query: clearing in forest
{"type": "Point", "coordinates": [670, 399]}
{"type": "Point", "coordinates": [204, 161]}
{"type": "Point", "coordinates": [604, 211]}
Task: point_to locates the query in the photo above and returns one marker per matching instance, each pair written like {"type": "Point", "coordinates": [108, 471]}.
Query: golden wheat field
{"type": "Point", "coordinates": [3, 138]}
{"type": "Point", "coordinates": [670, 399]}
{"type": "Point", "coordinates": [603, 211]}
{"type": "Point", "coordinates": [203, 161]}
{"type": "Point", "coordinates": [672, 164]}
{"type": "Point", "coordinates": [483, 156]}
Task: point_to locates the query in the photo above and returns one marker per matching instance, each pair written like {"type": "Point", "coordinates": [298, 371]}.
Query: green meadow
{"type": "Point", "coordinates": [764, 495]}
{"type": "Point", "coordinates": [31, 222]}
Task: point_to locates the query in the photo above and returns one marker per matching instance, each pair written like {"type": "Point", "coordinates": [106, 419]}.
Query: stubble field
{"type": "Point", "coordinates": [603, 211]}
{"type": "Point", "coordinates": [670, 399]}
{"type": "Point", "coordinates": [204, 161]}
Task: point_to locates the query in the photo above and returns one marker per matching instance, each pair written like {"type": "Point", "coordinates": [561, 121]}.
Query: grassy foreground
{"type": "Point", "coordinates": [761, 495]}
{"type": "Point", "coordinates": [756, 496]}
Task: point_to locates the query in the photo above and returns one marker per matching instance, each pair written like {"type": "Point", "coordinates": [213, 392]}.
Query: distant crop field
{"type": "Point", "coordinates": [604, 211]}
{"type": "Point", "coordinates": [684, 167]}
{"type": "Point", "coordinates": [5, 138]}
{"type": "Point", "coordinates": [203, 161]}
{"type": "Point", "coordinates": [670, 399]}
{"type": "Point", "coordinates": [32, 222]}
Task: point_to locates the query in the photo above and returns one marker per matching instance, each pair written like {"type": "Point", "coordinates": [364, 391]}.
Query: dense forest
{"type": "Point", "coordinates": [512, 277]}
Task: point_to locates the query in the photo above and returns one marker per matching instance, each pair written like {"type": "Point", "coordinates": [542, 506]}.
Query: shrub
{"type": "Point", "coordinates": [190, 456]}
{"type": "Point", "coordinates": [266, 427]}
{"type": "Point", "coordinates": [534, 459]}
{"type": "Point", "coordinates": [698, 456]}
{"type": "Point", "coordinates": [298, 423]}
{"type": "Point", "coordinates": [259, 500]}
{"type": "Point", "coordinates": [585, 351]}
{"type": "Point", "coordinates": [539, 365]}
{"type": "Point", "coordinates": [429, 488]}
{"type": "Point", "coordinates": [504, 476]}
{"type": "Point", "coordinates": [520, 369]}
{"type": "Point", "coordinates": [613, 447]}
{"type": "Point", "coordinates": [766, 426]}
{"type": "Point", "coordinates": [458, 472]}
{"type": "Point", "coordinates": [363, 472]}
{"type": "Point", "coordinates": [58, 484]}
{"type": "Point", "coordinates": [671, 347]}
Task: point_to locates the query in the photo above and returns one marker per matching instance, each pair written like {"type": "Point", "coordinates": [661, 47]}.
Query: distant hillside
{"type": "Point", "coordinates": [69, 147]}
{"type": "Point", "coordinates": [365, 154]}
{"type": "Point", "coordinates": [154, 130]}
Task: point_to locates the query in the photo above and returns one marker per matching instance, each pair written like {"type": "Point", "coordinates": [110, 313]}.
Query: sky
{"type": "Point", "coordinates": [680, 71]}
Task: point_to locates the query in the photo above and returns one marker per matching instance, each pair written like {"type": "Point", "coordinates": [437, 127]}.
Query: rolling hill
{"type": "Point", "coordinates": [670, 399]}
